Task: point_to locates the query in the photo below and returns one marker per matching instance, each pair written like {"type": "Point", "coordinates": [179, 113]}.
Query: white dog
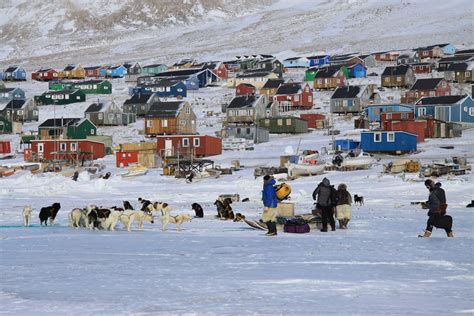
{"type": "Point", "coordinates": [177, 220]}
{"type": "Point", "coordinates": [77, 217]}
{"type": "Point", "coordinates": [141, 216]}
{"type": "Point", "coordinates": [127, 218]}
{"type": "Point", "coordinates": [113, 219]}
{"type": "Point", "coordinates": [27, 215]}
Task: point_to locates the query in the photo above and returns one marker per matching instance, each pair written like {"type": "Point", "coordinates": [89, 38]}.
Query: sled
{"type": "Point", "coordinates": [255, 224]}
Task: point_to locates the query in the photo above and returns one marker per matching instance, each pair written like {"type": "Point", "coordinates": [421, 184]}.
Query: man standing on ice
{"type": "Point", "coordinates": [270, 203]}
{"type": "Point", "coordinates": [437, 210]}
{"type": "Point", "coordinates": [327, 199]}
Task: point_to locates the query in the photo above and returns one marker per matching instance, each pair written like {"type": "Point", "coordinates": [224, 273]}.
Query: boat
{"type": "Point", "coordinates": [307, 165]}
{"type": "Point", "coordinates": [204, 174]}
{"type": "Point", "coordinates": [402, 165]}
{"type": "Point", "coordinates": [135, 171]}
{"type": "Point", "coordinates": [6, 172]}
{"type": "Point", "coordinates": [362, 161]}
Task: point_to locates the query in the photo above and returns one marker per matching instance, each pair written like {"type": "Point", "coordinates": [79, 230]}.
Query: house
{"type": "Point", "coordinates": [133, 71]}
{"type": "Point", "coordinates": [408, 58]}
{"type": "Point", "coordinates": [310, 73]}
{"type": "Point", "coordinates": [221, 71]}
{"type": "Point", "coordinates": [204, 75]}
{"type": "Point", "coordinates": [154, 69]}
{"type": "Point", "coordinates": [396, 142]}
{"type": "Point", "coordinates": [459, 72]}
{"type": "Point", "coordinates": [60, 97]}
{"type": "Point", "coordinates": [346, 144]}
{"type": "Point", "coordinates": [183, 64]}
{"type": "Point", "coordinates": [345, 60]}
{"type": "Point", "coordinates": [464, 52]}
{"type": "Point", "coordinates": [139, 104]}
{"type": "Point", "coordinates": [357, 71]}
{"type": "Point", "coordinates": [373, 112]}
{"type": "Point", "coordinates": [14, 73]}
{"type": "Point", "coordinates": [7, 94]}
{"type": "Point", "coordinates": [46, 74]}
{"type": "Point", "coordinates": [270, 64]}
{"type": "Point", "coordinates": [398, 76]}
{"type": "Point", "coordinates": [232, 67]}
{"type": "Point", "coordinates": [353, 99]}
{"type": "Point", "coordinates": [426, 87]}
{"type": "Point", "coordinates": [444, 63]}
{"type": "Point", "coordinates": [284, 125]}
{"type": "Point", "coordinates": [319, 60]}
{"type": "Point", "coordinates": [73, 72]}
{"type": "Point", "coordinates": [176, 117]}
{"type": "Point", "coordinates": [330, 77]}
{"type": "Point", "coordinates": [246, 109]}
{"type": "Point", "coordinates": [368, 60]}
{"type": "Point", "coordinates": [257, 79]}
{"type": "Point", "coordinates": [315, 120]}
{"type": "Point", "coordinates": [435, 51]}
{"type": "Point", "coordinates": [5, 147]}
{"type": "Point", "coordinates": [386, 56]}
{"type": "Point", "coordinates": [254, 133]}
{"type": "Point", "coordinates": [396, 116]}
{"type": "Point", "coordinates": [410, 126]}
{"type": "Point", "coordinates": [296, 62]}
{"type": "Point", "coordinates": [454, 108]}
{"type": "Point", "coordinates": [294, 95]}
{"type": "Point", "coordinates": [5, 125]}
{"type": "Point", "coordinates": [108, 114]}
{"type": "Point", "coordinates": [74, 150]}
{"type": "Point", "coordinates": [164, 88]}
{"type": "Point", "coordinates": [422, 68]}
{"type": "Point", "coordinates": [66, 128]}
{"type": "Point", "coordinates": [20, 110]}
{"type": "Point", "coordinates": [244, 89]}
{"type": "Point", "coordinates": [271, 86]}
{"type": "Point", "coordinates": [189, 145]}
{"type": "Point", "coordinates": [115, 71]}
{"type": "Point", "coordinates": [93, 71]}
{"type": "Point", "coordinates": [93, 86]}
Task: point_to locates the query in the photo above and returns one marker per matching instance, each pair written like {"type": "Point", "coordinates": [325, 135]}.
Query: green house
{"type": "Point", "coordinates": [60, 85]}
{"type": "Point", "coordinates": [310, 73]}
{"type": "Point", "coordinates": [5, 125]}
{"type": "Point", "coordinates": [66, 128]}
{"type": "Point", "coordinates": [284, 125]}
{"type": "Point", "coordinates": [60, 97]}
{"type": "Point", "coordinates": [154, 69]}
{"type": "Point", "coordinates": [86, 86]}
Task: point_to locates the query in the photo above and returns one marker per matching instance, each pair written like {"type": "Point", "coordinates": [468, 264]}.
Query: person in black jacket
{"type": "Point", "coordinates": [327, 200]}
{"type": "Point", "coordinates": [437, 210]}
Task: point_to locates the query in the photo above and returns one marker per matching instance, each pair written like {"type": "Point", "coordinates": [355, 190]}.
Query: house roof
{"type": "Point", "coordinates": [165, 82]}
{"type": "Point", "coordinates": [465, 51]}
{"type": "Point", "coordinates": [16, 104]}
{"type": "Point", "coordinates": [244, 101]}
{"type": "Point", "coordinates": [426, 84]}
{"type": "Point", "coordinates": [180, 72]}
{"type": "Point", "coordinates": [457, 67]}
{"type": "Point", "coordinates": [455, 59]}
{"type": "Point", "coordinates": [52, 92]}
{"type": "Point", "coordinates": [45, 70]}
{"type": "Point", "coordinates": [115, 67]}
{"type": "Point", "coordinates": [317, 56]}
{"type": "Point", "coordinates": [247, 85]}
{"type": "Point", "coordinates": [4, 90]}
{"type": "Point", "coordinates": [292, 58]}
{"type": "Point", "coordinates": [349, 92]}
{"type": "Point", "coordinates": [452, 99]}
{"type": "Point", "coordinates": [395, 70]}
{"type": "Point", "coordinates": [140, 98]}
{"type": "Point", "coordinates": [289, 88]}
{"type": "Point", "coordinates": [62, 122]}
{"type": "Point", "coordinates": [153, 65]}
{"type": "Point", "coordinates": [273, 83]}
{"type": "Point", "coordinates": [432, 46]}
{"type": "Point", "coordinates": [92, 68]}
{"type": "Point", "coordinates": [165, 109]}
{"type": "Point", "coordinates": [69, 67]}
{"type": "Point", "coordinates": [11, 68]}
{"type": "Point", "coordinates": [325, 72]}
{"type": "Point", "coordinates": [88, 82]}
{"type": "Point", "coordinates": [254, 74]}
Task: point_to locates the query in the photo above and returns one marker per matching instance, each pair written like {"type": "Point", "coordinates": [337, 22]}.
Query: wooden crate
{"type": "Point", "coordinates": [286, 209]}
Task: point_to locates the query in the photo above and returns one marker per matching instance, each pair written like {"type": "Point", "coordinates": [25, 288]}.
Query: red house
{"type": "Point", "coordinates": [124, 158]}
{"type": "Point", "coordinates": [48, 74]}
{"type": "Point", "coordinates": [221, 71]}
{"type": "Point", "coordinates": [396, 116]}
{"type": "Point", "coordinates": [294, 95]}
{"type": "Point", "coordinates": [66, 149]}
{"type": "Point", "coordinates": [187, 145]}
{"type": "Point", "coordinates": [314, 120]}
{"type": "Point", "coordinates": [386, 56]}
{"type": "Point", "coordinates": [422, 68]}
{"type": "Point", "coordinates": [413, 127]}
{"type": "Point", "coordinates": [93, 71]}
{"type": "Point", "coordinates": [5, 147]}
{"type": "Point", "coordinates": [432, 87]}
{"type": "Point", "coordinates": [245, 89]}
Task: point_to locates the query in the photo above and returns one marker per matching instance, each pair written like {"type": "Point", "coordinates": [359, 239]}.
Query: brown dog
{"type": "Point", "coordinates": [239, 217]}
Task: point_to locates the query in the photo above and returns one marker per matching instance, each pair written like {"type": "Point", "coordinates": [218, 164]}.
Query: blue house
{"type": "Point", "coordinates": [14, 73]}
{"type": "Point", "coordinates": [388, 142]}
{"type": "Point", "coordinates": [116, 71]}
{"type": "Point", "coordinates": [8, 94]}
{"type": "Point", "coordinates": [448, 49]}
{"type": "Point", "coordinates": [164, 88]}
{"type": "Point", "coordinates": [204, 75]}
{"type": "Point", "coordinates": [357, 71]}
{"type": "Point", "coordinates": [454, 108]}
{"type": "Point", "coordinates": [296, 62]}
{"type": "Point", "coordinates": [373, 111]}
{"type": "Point", "coordinates": [319, 60]}
{"type": "Point", "coordinates": [346, 144]}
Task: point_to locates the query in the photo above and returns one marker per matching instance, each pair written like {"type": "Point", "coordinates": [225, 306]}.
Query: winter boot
{"type": "Point", "coordinates": [269, 226]}
{"type": "Point", "coordinates": [346, 221]}
{"type": "Point", "coordinates": [450, 234]}
{"type": "Point", "coordinates": [426, 234]}
{"type": "Point", "coordinates": [341, 223]}
{"type": "Point", "coordinates": [273, 229]}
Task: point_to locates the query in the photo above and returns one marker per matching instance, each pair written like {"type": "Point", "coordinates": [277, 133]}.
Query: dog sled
{"type": "Point", "coordinates": [314, 222]}
{"type": "Point", "coordinates": [135, 171]}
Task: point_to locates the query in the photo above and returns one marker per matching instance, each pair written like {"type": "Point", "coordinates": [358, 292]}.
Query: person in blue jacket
{"type": "Point", "coordinates": [270, 202]}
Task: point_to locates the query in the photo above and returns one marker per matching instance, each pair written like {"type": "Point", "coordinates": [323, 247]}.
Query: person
{"type": "Point", "coordinates": [327, 199]}
{"type": "Point", "coordinates": [338, 160]}
{"type": "Point", "coordinates": [75, 175]}
{"type": "Point", "coordinates": [437, 210]}
{"type": "Point", "coordinates": [270, 204]}
{"type": "Point", "coordinates": [343, 208]}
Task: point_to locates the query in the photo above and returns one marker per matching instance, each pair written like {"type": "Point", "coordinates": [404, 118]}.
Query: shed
{"type": "Point", "coordinates": [106, 139]}
{"type": "Point", "coordinates": [189, 145]}
{"type": "Point", "coordinates": [285, 125]}
{"type": "Point", "coordinates": [388, 142]}
{"type": "Point", "coordinates": [5, 147]}
{"type": "Point", "coordinates": [346, 144]}
{"type": "Point", "coordinates": [414, 127]}
{"type": "Point", "coordinates": [250, 132]}
{"type": "Point", "coordinates": [314, 120]}
{"type": "Point", "coordinates": [143, 153]}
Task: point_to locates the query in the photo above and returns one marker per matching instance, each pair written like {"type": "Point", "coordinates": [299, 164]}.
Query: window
{"type": "Point", "coordinates": [73, 146]}
{"type": "Point", "coordinates": [288, 122]}
{"type": "Point", "coordinates": [164, 123]}
{"type": "Point", "coordinates": [196, 142]}
{"type": "Point", "coordinates": [185, 142]}
{"type": "Point", "coordinates": [48, 96]}
{"type": "Point", "coordinates": [399, 79]}
{"type": "Point", "coordinates": [471, 111]}
{"type": "Point", "coordinates": [106, 87]}
{"type": "Point", "coordinates": [377, 137]}
{"type": "Point", "coordinates": [188, 110]}
{"type": "Point", "coordinates": [249, 112]}
{"type": "Point", "coordinates": [404, 116]}
{"type": "Point", "coordinates": [62, 146]}
{"type": "Point", "coordinates": [390, 137]}
{"type": "Point", "coordinates": [19, 112]}
{"type": "Point", "coordinates": [297, 98]}
{"type": "Point", "coordinates": [267, 122]}
{"type": "Point", "coordinates": [179, 90]}
{"type": "Point", "coordinates": [387, 79]}
{"type": "Point", "coordinates": [432, 93]}
{"type": "Point", "coordinates": [320, 81]}
{"type": "Point", "coordinates": [168, 89]}
{"type": "Point", "coordinates": [40, 147]}
{"type": "Point", "coordinates": [421, 111]}
{"type": "Point", "coordinates": [111, 116]}
{"type": "Point", "coordinates": [54, 97]}
{"type": "Point", "coordinates": [279, 122]}
{"type": "Point", "coordinates": [100, 116]}
{"type": "Point", "coordinates": [239, 130]}
{"type": "Point", "coordinates": [389, 116]}
{"type": "Point", "coordinates": [95, 86]}
{"type": "Point", "coordinates": [310, 99]}
{"type": "Point", "coordinates": [143, 107]}
{"type": "Point", "coordinates": [149, 123]}
{"type": "Point", "coordinates": [248, 130]}
{"type": "Point", "coordinates": [77, 98]}
{"type": "Point", "coordinates": [92, 131]}
{"type": "Point", "coordinates": [467, 73]}
{"type": "Point", "coordinates": [35, 112]}
{"type": "Point", "coordinates": [182, 122]}
{"type": "Point", "coordinates": [306, 89]}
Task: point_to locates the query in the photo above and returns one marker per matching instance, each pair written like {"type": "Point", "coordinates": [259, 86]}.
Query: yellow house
{"type": "Point", "coordinates": [256, 79]}
{"type": "Point", "coordinates": [73, 72]}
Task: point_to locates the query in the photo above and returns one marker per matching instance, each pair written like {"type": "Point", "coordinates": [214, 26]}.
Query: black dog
{"type": "Point", "coordinates": [50, 213]}
{"type": "Point", "coordinates": [198, 210]}
{"type": "Point", "coordinates": [144, 203]}
{"type": "Point", "coordinates": [127, 205]}
{"type": "Point", "coordinates": [470, 204]}
{"type": "Point", "coordinates": [358, 199]}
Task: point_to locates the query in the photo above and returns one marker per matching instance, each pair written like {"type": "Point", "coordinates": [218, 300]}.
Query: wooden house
{"type": "Point", "coordinates": [345, 60]}
{"type": "Point", "coordinates": [254, 133]}
{"type": "Point", "coordinates": [73, 72]}
{"type": "Point", "coordinates": [60, 97]}
{"type": "Point", "coordinates": [115, 72]}
{"type": "Point", "coordinates": [410, 126]}
{"type": "Point", "coordinates": [368, 60]}
{"type": "Point", "coordinates": [154, 69]}
{"type": "Point", "coordinates": [142, 153]}
{"type": "Point", "coordinates": [444, 63]}
{"type": "Point", "coordinates": [330, 77]}
{"type": "Point", "coordinates": [459, 72]}
{"type": "Point", "coordinates": [7, 94]}
{"type": "Point", "coordinates": [271, 86]}
{"type": "Point", "coordinates": [422, 68]}
{"type": "Point", "coordinates": [66, 149]}
{"type": "Point", "coordinates": [257, 79]}
{"type": "Point", "coordinates": [92, 86]}
{"type": "Point", "coordinates": [435, 51]}
{"type": "Point", "coordinates": [398, 76]}
{"type": "Point", "coordinates": [93, 71]}
{"type": "Point", "coordinates": [396, 116]}
{"type": "Point", "coordinates": [13, 73]}
{"type": "Point", "coordinates": [315, 120]}
{"type": "Point", "coordinates": [164, 88]}
{"type": "Point", "coordinates": [296, 62]}
{"type": "Point", "coordinates": [246, 109]}
{"type": "Point", "coordinates": [284, 125]}
{"type": "Point", "coordinates": [310, 73]}
{"type": "Point", "coordinates": [134, 70]}
{"type": "Point", "coordinates": [373, 112]}
{"type": "Point", "coordinates": [396, 142]}
{"type": "Point", "coordinates": [108, 114]}
{"type": "Point", "coordinates": [189, 145]}
{"type": "Point", "coordinates": [170, 118]}
{"type": "Point", "coordinates": [5, 147]}
{"type": "Point", "coordinates": [353, 99]}
{"type": "Point", "coordinates": [319, 60]}
{"type": "Point", "coordinates": [357, 71]}
{"type": "Point", "coordinates": [386, 56]}
{"type": "Point", "coordinates": [221, 71]}
{"type": "Point", "coordinates": [408, 59]}
{"type": "Point", "coordinates": [454, 108]}
{"type": "Point", "coordinates": [47, 74]}
{"type": "Point", "coordinates": [66, 128]}
{"type": "Point", "coordinates": [464, 52]}
{"type": "Point", "coordinates": [204, 75]}
{"type": "Point", "coordinates": [270, 64]}
{"type": "Point", "coordinates": [244, 89]}
{"type": "Point", "coordinates": [139, 104]}
{"type": "Point", "coordinates": [294, 95]}
{"type": "Point", "coordinates": [426, 87]}
{"type": "Point", "coordinates": [20, 110]}
{"type": "Point", "coordinates": [183, 64]}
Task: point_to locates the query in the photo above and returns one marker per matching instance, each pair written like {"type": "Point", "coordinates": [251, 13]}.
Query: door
{"type": "Point", "coordinates": [168, 147]}
{"type": "Point", "coordinates": [40, 150]}
{"type": "Point", "coordinates": [442, 113]}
